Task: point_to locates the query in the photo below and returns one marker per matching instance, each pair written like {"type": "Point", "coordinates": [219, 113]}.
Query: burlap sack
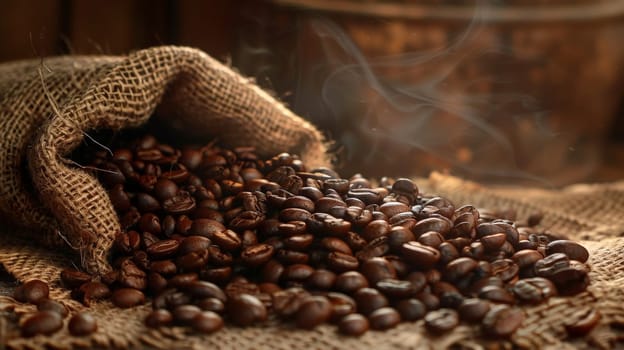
{"type": "Point", "coordinates": [48, 107]}
{"type": "Point", "coordinates": [590, 213]}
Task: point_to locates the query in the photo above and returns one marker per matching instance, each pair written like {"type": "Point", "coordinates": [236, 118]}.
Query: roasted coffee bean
{"type": "Point", "coordinates": [211, 304]}
{"type": "Point", "coordinates": [181, 203]}
{"type": "Point", "coordinates": [494, 241]}
{"type": "Point", "coordinates": [534, 290]}
{"type": "Point", "coordinates": [502, 321]}
{"type": "Point", "coordinates": [228, 240]}
{"type": "Point", "coordinates": [183, 280]}
{"type": "Point", "coordinates": [340, 262]}
{"type": "Point", "coordinates": [156, 282]}
{"type": "Point", "coordinates": [73, 278]}
{"type": "Point", "coordinates": [204, 289]}
{"type": "Point", "coordinates": [132, 276]}
{"type": "Point", "coordinates": [376, 228]}
{"type": "Point", "coordinates": [384, 318]}
{"type": "Point", "coordinates": [526, 258]}
{"type": "Point", "coordinates": [441, 321]}
{"type": "Point", "coordinates": [92, 291]}
{"type": "Point", "coordinates": [42, 322]}
{"type": "Point", "coordinates": [256, 255]}
{"type": "Point", "coordinates": [82, 323]}
{"type": "Point", "coordinates": [333, 244]}
{"type": "Point", "coordinates": [440, 225]}
{"type": "Point", "coordinates": [51, 305]}
{"type": "Point", "coordinates": [411, 309]}
{"type": "Point", "coordinates": [473, 309]}
{"type": "Point", "coordinates": [571, 280]}
{"type": "Point", "coordinates": [297, 272]}
{"type": "Point", "coordinates": [321, 279]}
{"type": "Point", "coordinates": [32, 292]}
{"type": "Point", "coordinates": [377, 269]}
{"type": "Point", "coordinates": [393, 288]}
{"type": "Point", "coordinates": [506, 269]}
{"type": "Point", "coordinates": [582, 322]}
{"type": "Point", "coordinates": [163, 267]}
{"type": "Point", "coordinates": [369, 300]}
{"type": "Point", "coordinates": [375, 248]}
{"type": "Point", "coordinates": [183, 315]}
{"type": "Point", "coordinates": [313, 311]}
{"type": "Point", "coordinates": [163, 249]}
{"type": "Point", "coordinates": [551, 264]}
{"type": "Point", "coordinates": [497, 294]}
{"type": "Point", "coordinates": [353, 324]}
{"type": "Point", "coordinates": [158, 318]}
{"type": "Point", "coordinates": [206, 227]}
{"type": "Point", "coordinates": [193, 261]}
{"type": "Point", "coordinates": [192, 244]}
{"type": "Point", "coordinates": [399, 235]}
{"type": "Point", "coordinates": [299, 242]}
{"type": "Point", "coordinates": [146, 203]}
{"type": "Point", "coordinates": [420, 255]}
{"type": "Point", "coordinates": [300, 202]}
{"type": "Point", "coordinates": [573, 250]}
{"type": "Point", "coordinates": [245, 310]}
{"type": "Point", "coordinates": [165, 189]}
{"type": "Point", "coordinates": [459, 268]}
{"type": "Point", "coordinates": [127, 297]}
{"type": "Point", "coordinates": [207, 322]}
{"type": "Point", "coordinates": [350, 281]}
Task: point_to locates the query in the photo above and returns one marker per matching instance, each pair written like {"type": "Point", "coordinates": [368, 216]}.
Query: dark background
{"type": "Point", "coordinates": [35, 28]}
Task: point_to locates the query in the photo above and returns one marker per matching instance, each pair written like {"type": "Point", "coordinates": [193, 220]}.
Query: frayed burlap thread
{"type": "Point", "coordinates": [590, 213]}
{"type": "Point", "coordinates": [48, 107]}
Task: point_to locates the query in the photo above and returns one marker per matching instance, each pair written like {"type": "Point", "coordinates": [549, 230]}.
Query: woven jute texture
{"type": "Point", "coordinates": [48, 107]}
{"type": "Point", "coordinates": [589, 213]}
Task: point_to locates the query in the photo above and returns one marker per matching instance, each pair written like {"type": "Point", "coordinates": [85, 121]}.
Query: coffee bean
{"type": "Point", "coordinates": [127, 297]}
{"type": "Point", "coordinates": [441, 321]}
{"type": "Point", "coordinates": [183, 315]}
{"type": "Point", "coordinates": [42, 322]}
{"type": "Point", "coordinates": [459, 268]}
{"type": "Point", "coordinates": [534, 290]}
{"type": "Point", "coordinates": [353, 324]}
{"type": "Point", "coordinates": [51, 305]}
{"type": "Point", "coordinates": [411, 309]}
{"type": "Point", "coordinates": [384, 318]}
{"type": "Point", "coordinates": [494, 241]}
{"type": "Point", "coordinates": [497, 294]}
{"type": "Point", "coordinates": [313, 311]}
{"type": "Point", "coordinates": [192, 244]}
{"type": "Point", "coordinates": [163, 249]}
{"type": "Point", "coordinates": [245, 310]}
{"type": "Point", "coordinates": [551, 264]}
{"type": "Point", "coordinates": [506, 269]}
{"type": "Point", "coordinates": [432, 224]}
{"type": "Point", "coordinates": [82, 323]}
{"type": "Point", "coordinates": [211, 304]}
{"type": "Point", "coordinates": [502, 321]}
{"type": "Point", "coordinates": [369, 300]}
{"type": "Point", "coordinates": [377, 269]}
{"type": "Point", "coordinates": [321, 279]}
{"type": "Point", "coordinates": [158, 318]}
{"type": "Point", "coordinates": [228, 240]}
{"type": "Point", "coordinates": [573, 250]}
{"type": "Point", "coordinates": [206, 227]}
{"type": "Point", "coordinates": [473, 309]}
{"type": "Point", "coordinates": [207, 322]}
{"type": "Point", "coordinates": [340, 262]}
{"type": "Point", "coordinates": [183, 280]}
{"type": "Point", "coordinates": [350, 281]}
{"type": "Point", "coordinates": [582, 322]}
{"type": "Point", "coordinates": [73, 278]}
{"type": "Point", "coordinates": [419, 254]}
{"type": "Point", "coordinates": [92, 291]}
{"type": "Point", "coordinates": [32, 292]}
{"type": "Point", "coordinates": [526, 258]}
{"type": "Point", "coordinates": [204, 289]}
{"type": "Point", "coordinates": [299, 242]}
{"type": "Point", "coordinates": [257, 254]}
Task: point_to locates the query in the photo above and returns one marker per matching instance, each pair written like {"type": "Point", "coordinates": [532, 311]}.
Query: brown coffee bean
{"type": "Point", "coordinates": [473, 309]}
{"type": "Point", "coordinates": [204, 289]}
{"type": "Point", "coordinates": [375, 248]}
{"type": "Point", "coordinates": [206, 227]}
{"type": "Point", "coordinates": [502, 321]}
{"type": "Point", "coordinates": [158, 318]}
{"type": "Point", "coordinates": [183, 280]}
{"type": "Point", "coordinates": [132, 276]}
{"type": "Point", "coordinates": [300, 202]}
{"type": "Point", "coordinates": [571, 280]}
{"type": "Point", "coordinates": [32, 292]}
{"type": "Point", "coordinates": [256, 255]}
{"type": "Point", "coordinates": [163, 267]}
{"type": "Point", "coordinates": [551, 264]}
{"type": "Point", "coordinates": [497, 294]}
{"type": "Point", "coordinates": [411, 309]}
{"type": "Point", "coordinates": [92, 291]}
{"type": "Point", "coordinates": [207, 322]}
{"type": "Point", "coordinates": [506, 269]}
{"type": "Point", "coordinates": [181, 203]}
{"type": "Point", "coordinates": [245, 310]}
{"type": "Point", "coordinates": [298, 242]}
{"type": "Point", "coordinates": [228, 240]}
{"type": "Point", "coordinates": [82, 323]}
{"type": "Point", "coordinates": [192, 244]}
{"type": "Point", "coordinates": [377, 269]}
{"type": "Point", "coordinates": [42, 322]}
{"type": "Point", "coordinates": [350, 281]}
{"type": "Point", "coordinates": [441, 321]}
{"type": "Point", "coordinates": [440, 225]}
{"type": "Point", "coordinates": [384, 318]}
{"type": "Point", "coordinates": [52, 305]}
{"type": "Point", "coordinates": [582, 322]}
{"type": "Point", "coordinates": [340, 262]}
{"type": "Point", "coordinates": [165, 189]}
{"type": "Point", "coordinates": [459, 268]}
{"type": "Point", "coordinates": [183, 315]}
{"type": "Point", "coordinates": [127, 297]}
{"type": "Point", "coordinates": [333, 244]}
{"type": "Point", "coordinates": [376, 228]}
{"type": "Point", "coordinates": [534, 290]}
{"type": "Point", "coordinates": [526, 258]}
{"type": "Point", "coordinates": [369, 300]}
{"type": "Point", "coordinates": [321, 279]}
{"type": "Point", "coordinates": [573, 250]}
{"type": "Point", "coordinates": [420, 255]}
{"type": "Point", "coordinates": [494, 241]}
{"type": "Point", "coordinates": [163, 249]}
{"type": "Point", "coordinates": [73, 278]}
{"type": "Point", "coordinates": [353, 324]}
{"type": "Point", "coordinates": [313, 311]}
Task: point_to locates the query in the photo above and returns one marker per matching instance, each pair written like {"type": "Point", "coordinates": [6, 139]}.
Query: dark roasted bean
{"type": "Point", "coordinates": [369, 300]}
{"type": "Point", "coordinates": [441, 321]}
{"type": "Point", "coordinates": [582, 322]}
{"type": "Point", "coordinates": [73, 278]}
{"type": "Point", "coordinates": [207, 322]}
{"type": "Point", "coordinates": [384, 318]}
{"type": "Point", "coordinates": [420, 255]}
{"type": "Point", "coordinates": [573, 250]}
{"type": "Point", "coordinates": [183, 315]}
{"type": "Point", "coordinates": [32, 292]}
{"type": "Point", "coordinates": [502, 321]}
{"type": "Point", "coordinates": [534, 290]}
{"type": "Point", "coordinates": [127, 297]}
{"type": "Point", "coordinates": [52, 305]}
{"type": "Point", "coordinates": [353, 324]}
{"type": "Point", "coordinates": [42, 322]}
{"type": "Point", "coordinates": [350, 281]}
{"type": "Point", "coordinates": [313, 311]}
{"type": "Point", "coordinates": [158, 318]}
{"type": "Point", "coordinates": [377, 269]}
{"type": "Point", "coordinates": [82, 323]}
{"type": "Point", "coordinates": [256, 255]}
{"type": "Point", "coordinates": [473, 309]}
{"type": "Point", "coordinates": [245, 310]}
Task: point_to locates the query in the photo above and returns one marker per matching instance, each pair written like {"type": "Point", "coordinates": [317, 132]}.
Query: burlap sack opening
{"type": "Point", "coordinates": [48, 107]}
{"type": "Point", "coordinates": [590, 213]}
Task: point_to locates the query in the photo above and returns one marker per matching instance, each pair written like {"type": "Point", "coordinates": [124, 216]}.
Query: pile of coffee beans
{"type": "Point", "coordinates": [212, 235]}
{"type": "Point", "coordinates": [48, 318]}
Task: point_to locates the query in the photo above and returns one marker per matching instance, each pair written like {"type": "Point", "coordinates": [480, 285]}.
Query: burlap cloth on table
{"type": "Point", "coordinates": [47, 197]}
